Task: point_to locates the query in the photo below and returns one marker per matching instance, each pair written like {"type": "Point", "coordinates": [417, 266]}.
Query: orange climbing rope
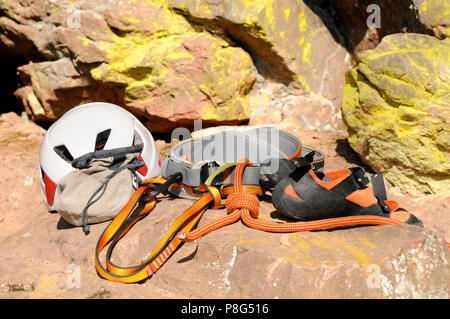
{"type": "Point", "coordinates": [245, 206]}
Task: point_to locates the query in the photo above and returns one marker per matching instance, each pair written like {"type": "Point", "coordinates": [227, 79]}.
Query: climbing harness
{"type": "Point", "coordinates": [224, 185]}
{"type": "Point", "coordinates": [275, 153]}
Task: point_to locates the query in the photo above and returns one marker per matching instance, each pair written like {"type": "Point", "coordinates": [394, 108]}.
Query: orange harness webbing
{"type": "Point", "coordinates": [130, 215]}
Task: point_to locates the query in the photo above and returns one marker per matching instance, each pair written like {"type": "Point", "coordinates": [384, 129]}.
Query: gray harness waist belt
{"type": "Point", "coordinates": [199, 157]}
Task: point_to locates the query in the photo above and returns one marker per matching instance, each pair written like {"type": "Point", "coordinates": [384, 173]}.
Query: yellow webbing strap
{"type": "Point", "coordinates": [134, 211]}
{"type": "Point", "coordinates": [226, 190]}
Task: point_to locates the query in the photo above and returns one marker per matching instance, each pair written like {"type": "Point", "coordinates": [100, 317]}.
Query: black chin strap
{"type": "Point", "coordinates": [119, 154]}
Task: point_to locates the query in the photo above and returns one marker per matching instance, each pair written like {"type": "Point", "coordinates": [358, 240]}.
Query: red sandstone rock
{"type": "Point", "coordinates": [44, 257]}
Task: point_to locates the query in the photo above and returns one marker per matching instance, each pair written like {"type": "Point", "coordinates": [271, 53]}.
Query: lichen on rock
{"type": "Point", "coordinates": [286, 38]}
{"type": "Point", "coordinates": [435, 15]}
{"type": "Point", "coordinates": [396, 106]}
{"type": "Point", "coordinates": [137, 54]}
{"type": "Point", "coordinates": [186, 76]}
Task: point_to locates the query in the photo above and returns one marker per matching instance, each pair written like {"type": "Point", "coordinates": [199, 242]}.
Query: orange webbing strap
{"type": "Point", "coordinates": [136, 210]}
{"type": "Point", "coordinates": [245, 206]}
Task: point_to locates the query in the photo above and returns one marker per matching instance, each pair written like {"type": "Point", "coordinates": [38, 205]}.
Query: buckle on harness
{"type": "Point", "coordinates": [205, 172]}
{"type": "Point", "coordinates": [162, 188]}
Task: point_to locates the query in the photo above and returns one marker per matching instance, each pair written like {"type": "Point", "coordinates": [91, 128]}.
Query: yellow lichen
{"type": "Point", "coordinates": [396, 107]}
{"type": "Point", "coordinates": [287, 13]}
{"type": "Point", "coordinates": [147, 62]}
{"type": "Point", "coordinates": [302, 24]}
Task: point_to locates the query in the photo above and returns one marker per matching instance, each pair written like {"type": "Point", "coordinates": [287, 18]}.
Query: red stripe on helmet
{"type": "Point", "coordinates": [144, 169]}
{"type": "Point", "coordinates": [50, 187]}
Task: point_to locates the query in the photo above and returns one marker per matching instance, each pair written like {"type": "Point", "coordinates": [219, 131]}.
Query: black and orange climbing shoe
{"type": "Point", "coordinates": [315, 195]}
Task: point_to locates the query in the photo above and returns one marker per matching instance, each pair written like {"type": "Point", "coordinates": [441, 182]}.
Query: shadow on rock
{"type": "Point", "coordinates": [344, 149]}
{"type": "Point", "coordinates": [62, 224]}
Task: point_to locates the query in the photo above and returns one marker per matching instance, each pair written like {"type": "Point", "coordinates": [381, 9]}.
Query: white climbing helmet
{"type": "Point", "coordinates": [88, 128]}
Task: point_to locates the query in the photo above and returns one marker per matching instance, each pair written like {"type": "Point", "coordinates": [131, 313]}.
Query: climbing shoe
{"type": "Point", "coordinates": [314, 195]}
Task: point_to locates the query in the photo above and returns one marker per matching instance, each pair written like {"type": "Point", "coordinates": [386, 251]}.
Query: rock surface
{"type": "Point", "coordinates": [435, 15]}
{"type": "Point", "coordinates": [224, 62]}
{"type": "Point", "coordinates": [277, 104]}
{"type": "Point", "coordinates": [396, 106]}
{"type": "Point", "coordinates": [171, 62]}
{"type": "Point", "coordinates": [43, 257]}
{"type": "Point", "coordinates": [164, 71]}
{"type": "Point", "coordinates": [287, 39]}
{"type": "Point", "coordinates": [366, 22]}
{"type": "Point", "coordinates": [52, 88]}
